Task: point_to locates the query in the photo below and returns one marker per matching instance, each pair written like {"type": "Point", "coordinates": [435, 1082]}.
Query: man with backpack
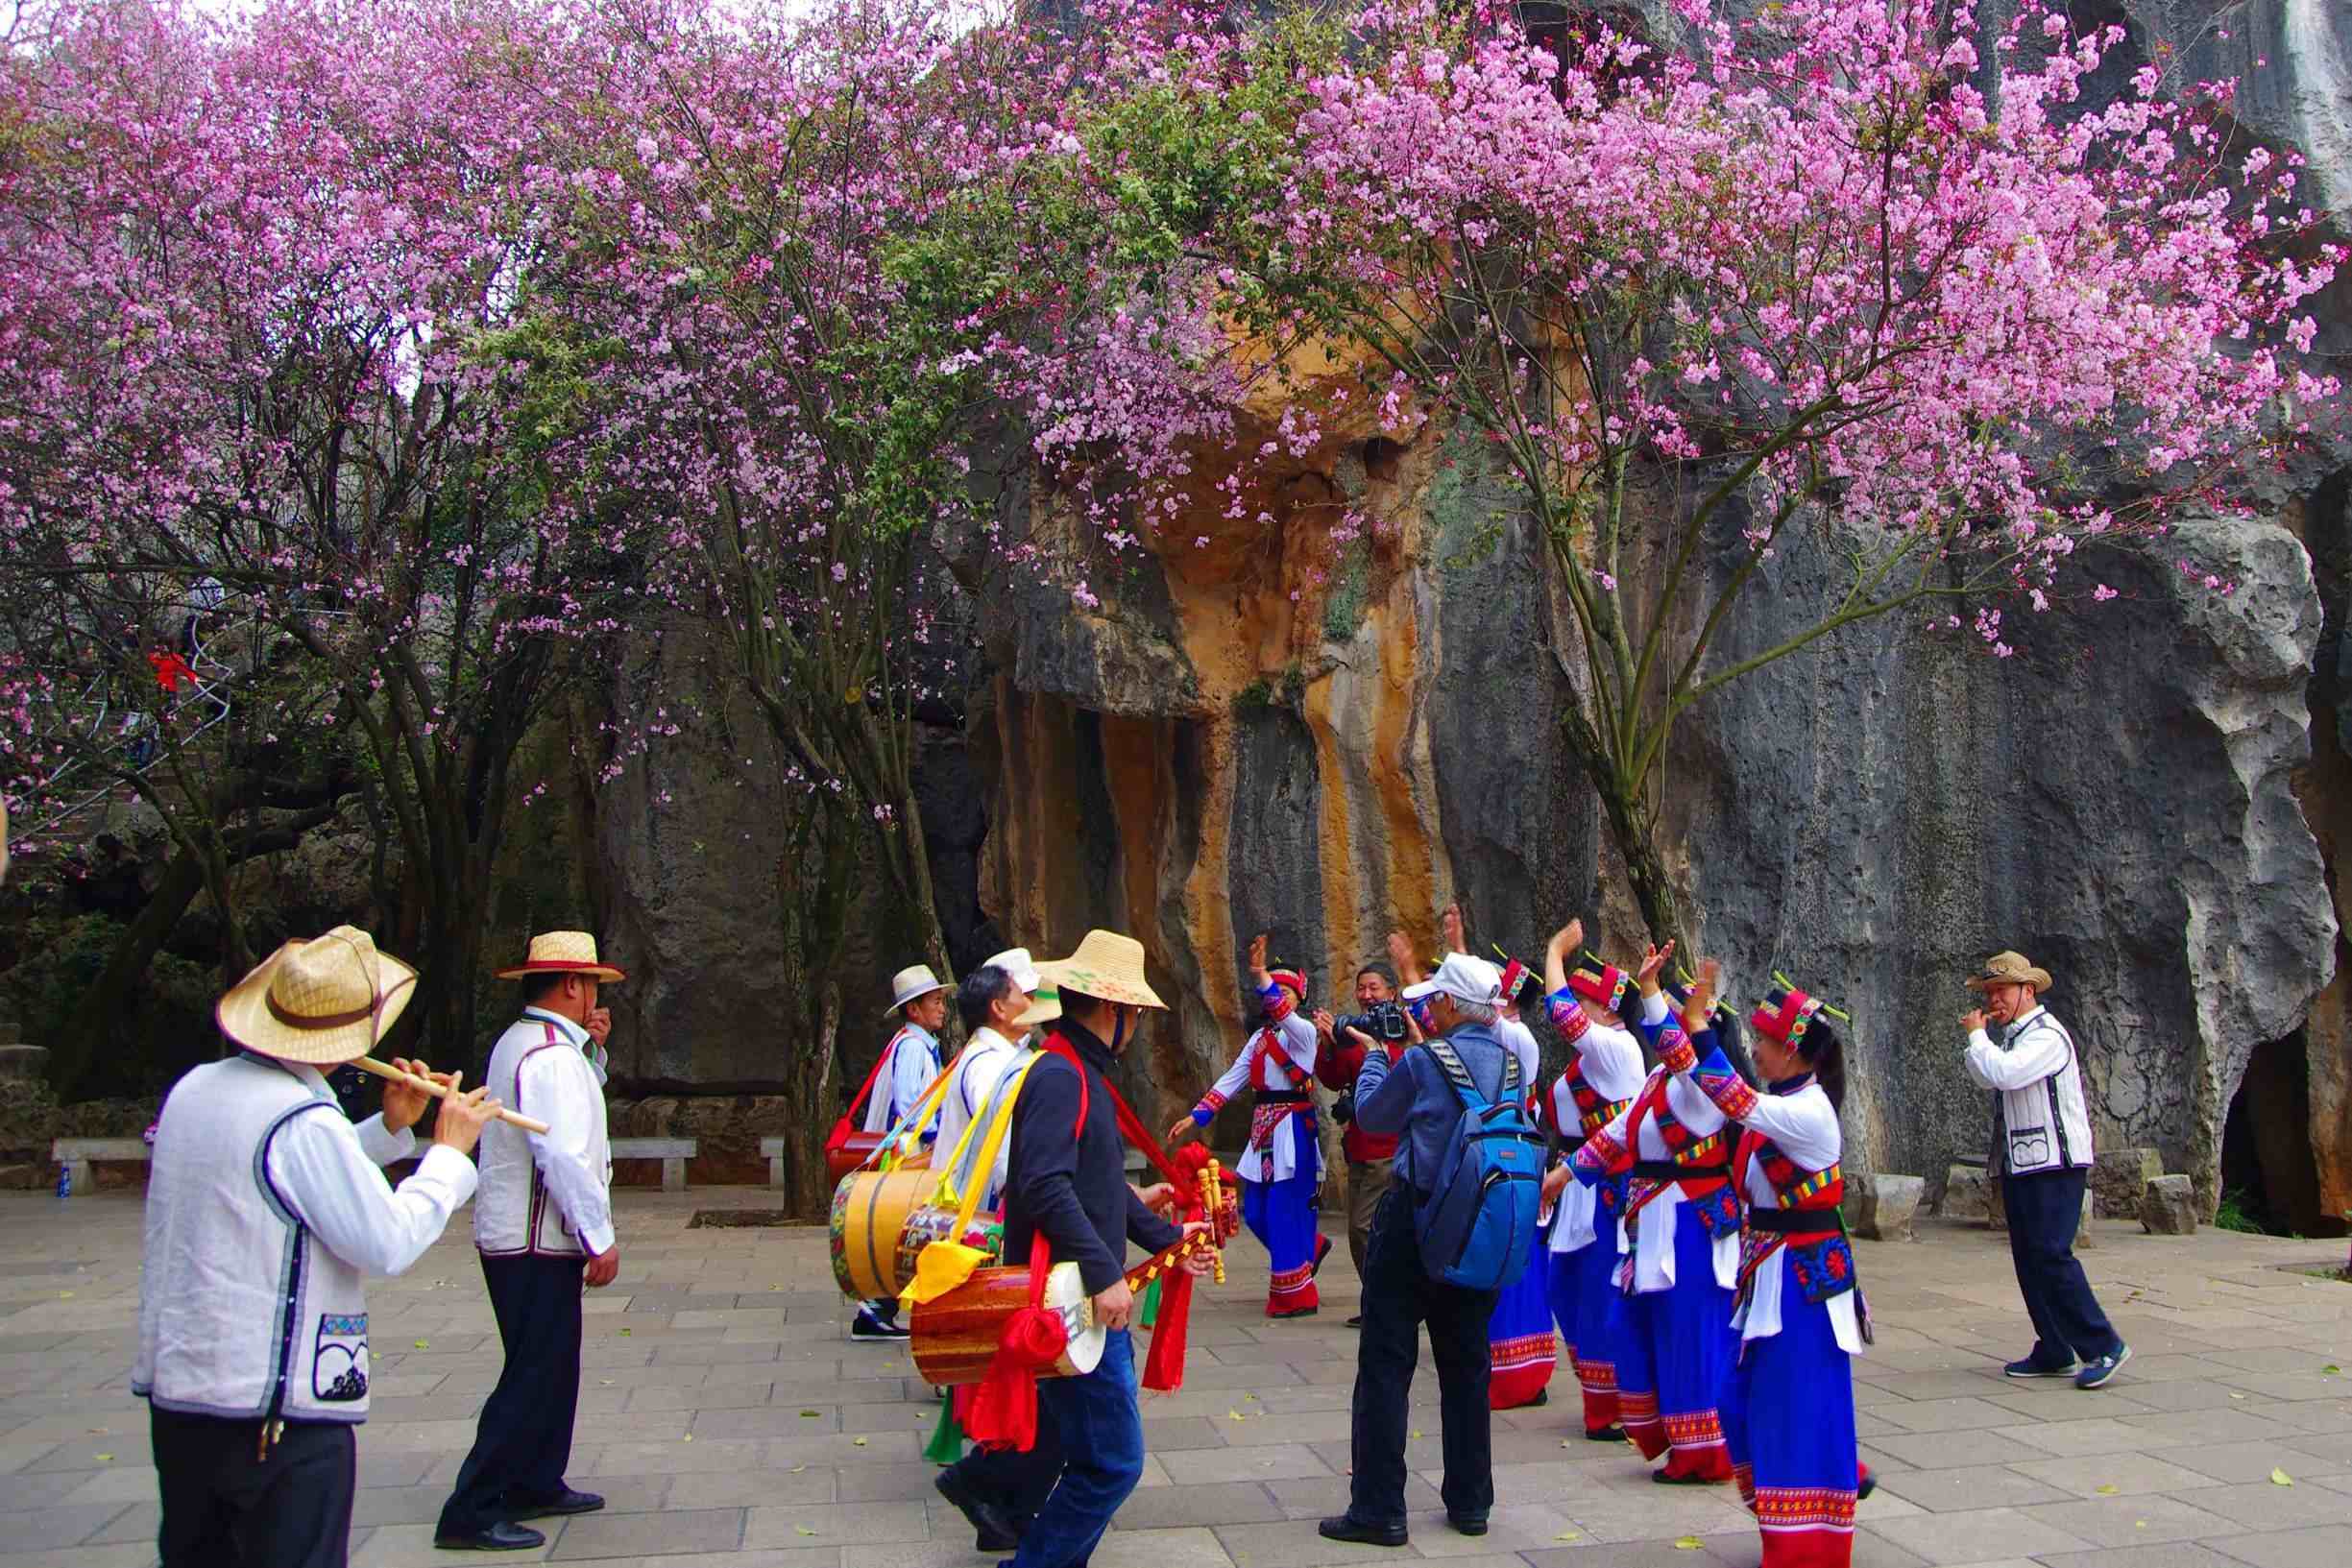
{"type": "Point", "coordinates": [1455, 1227]}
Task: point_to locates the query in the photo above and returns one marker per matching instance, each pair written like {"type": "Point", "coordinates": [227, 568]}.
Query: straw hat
{"type": "Point", "coordinates": [1105, 965]}
{"type": "Point", "coordinates": [327, 1000]}
{"type": "Point", "coordinates": [562, 953]}
{"type": "Point", "coordinates": [910, 982]}
{"type": "Point", "coordinates": [2009, 967]}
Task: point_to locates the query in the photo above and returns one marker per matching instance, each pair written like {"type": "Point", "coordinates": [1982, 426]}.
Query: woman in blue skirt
{"type": "Point", "coordinates": [1682, 1224]}
{"type": "Point", "coordinates": [1789, 1411]}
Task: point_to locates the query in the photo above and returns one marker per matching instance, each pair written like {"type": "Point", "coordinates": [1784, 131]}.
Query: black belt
{"type": "Point", "coordinates": [1668, 1170]}
{"type": "Point", "coordinates": [1272, 1097]}
{"type": "Point", "coordinates": [1796, 1222]}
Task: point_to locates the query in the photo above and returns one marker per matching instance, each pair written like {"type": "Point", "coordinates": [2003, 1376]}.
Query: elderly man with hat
{"type": "Point", "coordinates": [543, 1227]}
{"type": "Point", "coordinates": [998, 1491]}
{"type": "Point", "coordinates": [264, 1207]}
{"type": "Point", "coordinates": [1417, 1101]}
{"type": "Point", "coordinates": [908, 1066]}
{"type": "Point", "coordinates": [2046, 1164]}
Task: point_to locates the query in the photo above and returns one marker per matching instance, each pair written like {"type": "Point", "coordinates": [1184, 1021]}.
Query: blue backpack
{"type": "Point", "coordinates": [1478, 1225]}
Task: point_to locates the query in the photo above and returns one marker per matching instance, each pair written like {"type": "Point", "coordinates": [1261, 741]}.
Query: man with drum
{"type": "Point", "coordinates": [1067, 1184]}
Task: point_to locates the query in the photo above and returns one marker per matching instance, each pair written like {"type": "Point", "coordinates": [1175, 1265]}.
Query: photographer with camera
{"type": "Point", "coordinates": [1337, 1059]}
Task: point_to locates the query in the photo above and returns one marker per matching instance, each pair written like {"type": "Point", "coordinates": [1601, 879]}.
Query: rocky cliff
{"type": "Point", "coordinates": [1261, 728]}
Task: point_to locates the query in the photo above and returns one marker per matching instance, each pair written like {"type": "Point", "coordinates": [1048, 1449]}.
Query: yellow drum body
{"type": "Point", "coordinates": [870, 1211]}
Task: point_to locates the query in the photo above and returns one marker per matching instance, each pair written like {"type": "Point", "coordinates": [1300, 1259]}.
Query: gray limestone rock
{"type": "Point", "coordinates": [1880, 1207]}
{"type": "Point", "coordinates": [2118, 1177]}
{"type": "Point", "coordinates": [1964, 1193]}
{"type": "Point", "coordinates": [2167, 1207]}
{"type": "Point", "coordinates": [24, 1063]}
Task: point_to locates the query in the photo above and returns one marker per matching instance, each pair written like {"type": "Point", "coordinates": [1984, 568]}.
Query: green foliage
{"type": "Point", "coordinates": [1350, 590]}
{"type": "Point", "coordinates": [167, 1029]}
{"type": "Point", "coordinates": [2237, 1213]}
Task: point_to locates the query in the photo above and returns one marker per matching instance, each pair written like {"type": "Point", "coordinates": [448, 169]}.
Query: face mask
{"type": "Point", "coordinates": [1118, 1029]}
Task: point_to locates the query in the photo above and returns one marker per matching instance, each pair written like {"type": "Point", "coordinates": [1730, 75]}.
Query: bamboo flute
{"type": "Point", "coordinates": [369, 1064]}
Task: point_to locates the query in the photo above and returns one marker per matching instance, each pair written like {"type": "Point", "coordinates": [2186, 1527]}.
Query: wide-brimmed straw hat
{"type": "Point", "coordinates": [913, 981]}
{"type": "Point", "coordinates": [327, 999]}
{"type": "Point", "coordinates": [1105, 965]}
{"type": "Point", "coordinates": [562, 953]}
{"type": "Point", "coordinates": [2009, 969]}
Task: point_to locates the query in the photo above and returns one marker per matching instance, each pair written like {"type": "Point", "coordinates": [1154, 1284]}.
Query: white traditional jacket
{"type": "Point", "coordinates": [971, 1085]}
{"type": "Point", "coordinates": [264, 1207]}
{"type": "Point", "coordinates": [2045, 1126]}
{"type": "Point", "coordinates": [546, 1196]}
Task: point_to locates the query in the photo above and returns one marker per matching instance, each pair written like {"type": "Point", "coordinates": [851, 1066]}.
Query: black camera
{"type": "Point", "coordinates": [1383, 1021]}
{"type": "Point", "coordinates": [1343, 1108]}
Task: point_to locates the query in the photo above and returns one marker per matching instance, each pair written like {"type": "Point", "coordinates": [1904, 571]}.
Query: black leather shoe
{"type": "Point", "coordinates": [1356, 1323]}
{"type": "Point", "coordinates": [990, 1524]}
{"type": "Point", "coordinates": [1341, 1528]}
{"type": "Point", "coordinates": [1603, 1435]}
{"type": "Point", "coordinates": [503, 1536]}
{"type": "Point", "coordinates": [563, 1501]}
{"type": "Point", "coordinates": [1467, 1524]}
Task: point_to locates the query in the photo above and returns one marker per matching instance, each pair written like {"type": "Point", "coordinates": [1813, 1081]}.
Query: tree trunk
{"type": "Point", "coordinates": [105, 999]}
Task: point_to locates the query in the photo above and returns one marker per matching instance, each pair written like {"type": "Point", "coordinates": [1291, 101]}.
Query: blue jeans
{"type": "Point", "coordinates": [1096, 1431]}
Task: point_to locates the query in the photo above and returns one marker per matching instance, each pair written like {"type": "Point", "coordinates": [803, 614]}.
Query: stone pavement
{"type": "Point", "coordinates": [731, 1425]}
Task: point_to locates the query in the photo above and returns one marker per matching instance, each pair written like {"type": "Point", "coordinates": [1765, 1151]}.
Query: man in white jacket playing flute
{"type": "Point", "coordinates": [265, 1206]}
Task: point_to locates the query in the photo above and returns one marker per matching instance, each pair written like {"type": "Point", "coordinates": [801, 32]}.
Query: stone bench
{"type": "Point", "coordinates": [672, 1153]}
{"type": "Point", "coordinates": [75, 1154]}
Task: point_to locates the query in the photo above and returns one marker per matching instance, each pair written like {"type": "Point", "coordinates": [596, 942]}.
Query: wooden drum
{"type": "Point", "coordinates": [956, 1337]}
{"type": "Point", "coordinates": [870, 1209]}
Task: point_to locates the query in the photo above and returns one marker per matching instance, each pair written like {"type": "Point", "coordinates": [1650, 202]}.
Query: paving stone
{"type": "Point", "coordinates": [2124, 1521]}
{"type": "Point", "coordinates": [2325, 1546]}
{"type": "Point", "coordinates": [1221, 1503]}
{"type": "Point", "coordinates": [634, 1535]}
{"type": "Point", "coordinates": [1968, 1486]}
{"type": "Point", "coordinates": [1977, 1536]}
{"type": "Point", "coordinates": [1277, 1461]}
{"type": "Point", "coordinates": [2125, 1474]}
{"type": "Point", "coordinates": [2264, 1505]}
{"type": "Point", "coordinates": [838, 1524]}
{"type": "Point", "coordinates": [2143, 1555]}
{"type": "Point", "coordinates": [1944, 1414]}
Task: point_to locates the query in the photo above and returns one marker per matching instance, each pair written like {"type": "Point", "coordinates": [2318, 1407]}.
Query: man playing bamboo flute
{"type": "Point", "coordinates": [264, 1207]}
{"type": "Point", "coordinates": [543, 1227]}
{"type": "Point", "coordinates": [1283, 1165]}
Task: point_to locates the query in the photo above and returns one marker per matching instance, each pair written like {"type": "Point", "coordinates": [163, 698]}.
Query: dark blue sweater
{"type": "Point", "coordinates": [1075, 1188]}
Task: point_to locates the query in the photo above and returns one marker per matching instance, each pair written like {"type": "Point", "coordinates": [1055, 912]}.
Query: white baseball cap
{"type": "Point", "coordinates": [1464, 977]}
{"type": "Point", "coordinates": [1016, 962]}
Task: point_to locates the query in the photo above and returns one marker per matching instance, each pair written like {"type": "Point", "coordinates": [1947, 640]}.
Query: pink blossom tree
{"type": "Point", "coordinates": [1694, 293]}
{"type": "Point", "coordinates": [261, 330]}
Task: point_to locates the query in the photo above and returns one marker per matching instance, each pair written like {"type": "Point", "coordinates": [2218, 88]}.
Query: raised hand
{"type": "Point", "coordinates": [1184, 1124]}
{"type": "Point", "coordinates": [1653, 959]}
{"type": "Point", "coordinates": [1568, 939]}
{"type": "Point", "coordinates": [1456, 938]}
{"type": "Point", "coordinates": [1324, 1023]}
{"type": "Point", "coordinates": [1702, 998]}
{"type": "Point", "coordinates": [1401, 957]}
{"type": "Point", "coordinates": [1972, 1019]}
{"type": "Point", "coordinates": [1257, 953]}
{"type": "Point", "coordinates": [405, 1103]}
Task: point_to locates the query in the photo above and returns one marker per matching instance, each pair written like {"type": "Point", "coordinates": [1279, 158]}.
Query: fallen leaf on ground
{"type": "Point", "coordinates": [104, 1459]}
{"type": "Point", "coordinates": [808, 1415]}
{"type": "Point", "coordinates": [1687, 1543]}
{"type": "Point", "coordinates": [424, 1344]}
{"type": "Point", "coordinates": [2280, 1478]}
{"type": "Point", "coordinates": [1567, 1535]}
{"type": "Point", "coordinates": [859, 1442]}
{"type": "Point", "coordinates": [2331, 1369]}
{"type": "Point", "coordinates": [796, 1469]}
{"type": "Point", "coordinates": [65, 1295]}
{"type": "Point", "coordinates": [802, 1530]}
{"type": "Point", "coordinates": [687, 1438]}
{"type": "Point", "coordinates": [2109, 1490]}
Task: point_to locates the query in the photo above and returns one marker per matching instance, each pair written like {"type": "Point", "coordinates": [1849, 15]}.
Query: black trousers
{"type": "Point", "coordinates": [524, 1438]}
{"type": "Point", "coordinates": [1398, 1298]}
{"type": "Point", "coordinates": [1017, 1483]}
{"type": "Point", "coordinates": [2045, 1208]}
{"type": "Point", "coordinates": [223, 1508]}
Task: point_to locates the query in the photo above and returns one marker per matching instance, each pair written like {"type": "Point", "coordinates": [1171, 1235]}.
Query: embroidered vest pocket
{"type": "Point", "coordinates": [1824, 1269]}
{"type": "Point", "coordinates": [339, 1369]}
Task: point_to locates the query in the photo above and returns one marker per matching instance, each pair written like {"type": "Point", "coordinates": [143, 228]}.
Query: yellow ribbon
{"type": "Point", "coordinates": [943, 1265]}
